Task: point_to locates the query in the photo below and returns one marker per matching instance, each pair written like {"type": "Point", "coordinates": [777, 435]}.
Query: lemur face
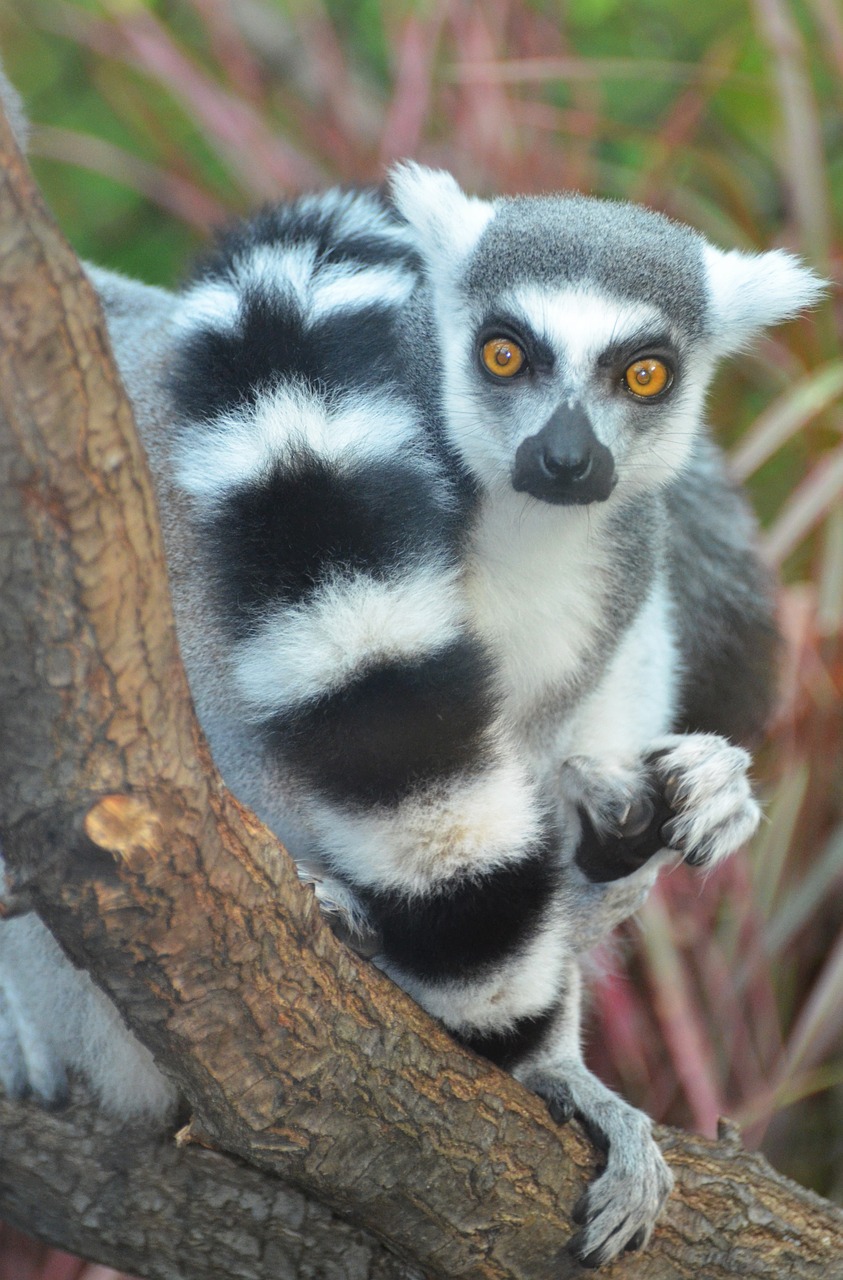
{"type": "Point", "coordinates": [565, 393]}
{"type": "Point", "coordinates": [579, 335]}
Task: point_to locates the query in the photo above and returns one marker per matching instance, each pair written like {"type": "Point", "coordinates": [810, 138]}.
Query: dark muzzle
{"type": "Point", "coordinates": [565, 463]}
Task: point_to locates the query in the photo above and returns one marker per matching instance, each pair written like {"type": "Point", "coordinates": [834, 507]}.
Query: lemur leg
{"type": "Point", "coordinates": [603, 905]}
{"type": "Point", "coordinates": [54, 1019]}
{"type": "Point", "coordinates": [618, 1211]}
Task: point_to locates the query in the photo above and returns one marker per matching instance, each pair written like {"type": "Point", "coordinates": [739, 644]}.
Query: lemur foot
{"type": "Point", "coordinates": [343, 911]}
{"type": "Point", "coordinates": [704, 781]}
{"type": "Point", "coordinates": [617, 1213]}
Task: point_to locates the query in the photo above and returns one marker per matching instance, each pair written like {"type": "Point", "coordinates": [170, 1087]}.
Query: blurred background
{"type": "Point", "coordinates": [159, 119]}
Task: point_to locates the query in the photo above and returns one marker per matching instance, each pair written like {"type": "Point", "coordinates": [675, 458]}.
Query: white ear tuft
{"type": "Point", "coordinates": [750, 291]}
{"type": "Point", "coordinates": [443, 217]}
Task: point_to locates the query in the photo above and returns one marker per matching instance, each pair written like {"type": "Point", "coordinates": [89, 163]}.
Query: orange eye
{"type": "Point", "coordinates": [647, 377]}
{"type": "Point", "coordinates": [503, 357]}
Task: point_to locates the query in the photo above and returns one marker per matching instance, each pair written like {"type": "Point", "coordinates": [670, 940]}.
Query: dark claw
{"type": "Point", "coordinates": [561, 1106]}
{"type": "Point", "coordinates": [590, 1260]}
{"type": "Point", "coordinates": [672, 790]}
{"type": "Point", "coordinates": [57, 1101]}
{"type": "Point", "coordinates": [637, 1242]}
{"type": "Point", "coordinates": [365, 944]}
{"type": "Point", "coordinates": [579, 1214]}
{"type": "Point", "coordinates": [638, 818]}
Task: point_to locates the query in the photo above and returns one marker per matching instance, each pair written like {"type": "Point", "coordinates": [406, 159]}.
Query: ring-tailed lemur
{"type": "Point", "coordinates": [452, 561]}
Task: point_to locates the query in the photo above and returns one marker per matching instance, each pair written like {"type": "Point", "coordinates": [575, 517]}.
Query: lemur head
{"type": "Point", "coordinates": [579, 335]}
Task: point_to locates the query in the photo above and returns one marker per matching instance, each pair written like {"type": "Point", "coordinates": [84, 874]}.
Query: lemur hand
{"type": "Point", "coordinates": [692, 793]}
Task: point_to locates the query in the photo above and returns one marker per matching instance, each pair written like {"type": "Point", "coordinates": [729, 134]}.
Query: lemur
{"type": "Point", "coordinates": [465, 599]}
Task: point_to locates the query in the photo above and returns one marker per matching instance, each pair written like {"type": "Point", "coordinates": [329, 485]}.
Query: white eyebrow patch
{"type": "Point", "coordinates": [345, 626]}
{"type": "Point", "coordinates": [582, 322]}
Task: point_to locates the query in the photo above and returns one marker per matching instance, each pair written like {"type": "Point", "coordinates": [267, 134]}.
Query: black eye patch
{"type": "Point", "coordinates": [539, 353]}
{"type": "Point", "coordinates": [619, 355]}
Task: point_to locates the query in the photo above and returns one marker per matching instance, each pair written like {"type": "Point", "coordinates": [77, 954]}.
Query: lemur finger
{"type": "Point", "coordinates": [638, 817]}
{"type": "Point", "coordinates": [593, 1261]}
{"type": "Point", "coordinates": [343, 911]}
{"type": "Point", "coordinates": [608, 796]}
{"type": "Point", "coordinates": [561, 1105]}
{"type": "Point", "coordinates": [704, 779]}
{"type": "Point", "coordinates": [620, 1214]}
{"type": "Point", "coordinates": [707, 846]}
{"type": "Point", "coordinates": [637, 1242]}
{"type": "Point", "coordinates": [687, 767]}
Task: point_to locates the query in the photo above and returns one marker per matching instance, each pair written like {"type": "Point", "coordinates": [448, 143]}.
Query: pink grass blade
{"type": "Point", "coordinates": [806, 897]}
{"type": "Point", "coordinates": [807, 507]}
{"type": "Point", "coordinates": [820, 1022]}
{"type": "Point", "coordinates": [829, 17]}
{"type": "Point", "coordinates": [683, 121]}
{"type": "Point", "coordinates": [679, 1017]}
{"type": "Point", "coordinates": [243, 71]}
{"type": "Point", "coordinates": [830, 593]}
{"type": "Point", "coordinates": [486, 128]}
{"type": "Point", "coordinates": [350, 109]}
{"type": "Point", "coordinates": [413, 79]}
{"type": "Point", "coordinates": [181, 198]}
{"type": "Point", "coordinates": [803, 171]}
{"type": "Point", "coordinates": [786, 416]}
{"type": "Point", "coordinates": [741, 1047]}
{"type": "Point", "coordinates": [774, 842]}
{"type": "Point", "coordinates": [570, 68]}
{"type": "Point", "coordinates": [741, 939]}
{"type": "Point", "coordinates": [264, 163]}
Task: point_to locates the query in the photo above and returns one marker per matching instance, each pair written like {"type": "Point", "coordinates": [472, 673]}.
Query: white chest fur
{"type": "Point", "coordinates": [539, 582]}
{"type": "Point", "coordinates": [537, 578]}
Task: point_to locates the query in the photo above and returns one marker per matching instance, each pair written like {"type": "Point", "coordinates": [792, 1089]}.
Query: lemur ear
{"type": "Point", "coordinates": [445, 219]}
{"type": "Point", "coordinates": [751, 291]}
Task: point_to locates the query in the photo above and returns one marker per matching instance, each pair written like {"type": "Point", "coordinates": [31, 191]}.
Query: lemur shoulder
{"type": "Point", "coordinates": [470, 612]}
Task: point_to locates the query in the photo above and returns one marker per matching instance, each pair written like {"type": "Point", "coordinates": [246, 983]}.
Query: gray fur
{"type": "Point", "coordinates": [622, 248]}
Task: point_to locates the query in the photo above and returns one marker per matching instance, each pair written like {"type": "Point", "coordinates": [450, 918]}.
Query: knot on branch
{"type": "Point", "coordinates": [129, 827]}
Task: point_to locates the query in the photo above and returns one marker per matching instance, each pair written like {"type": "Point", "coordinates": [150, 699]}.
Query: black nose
{"type": "Point", "coordinates": [565, 463]}
{"type": "Point", "coordinates": [564, 467]}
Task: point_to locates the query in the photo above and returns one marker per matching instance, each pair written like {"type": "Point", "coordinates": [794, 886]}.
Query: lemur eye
{"type": "Point", "coordinates": [648, 377]}
{"type": "Point", "coordinates": [503, 357]}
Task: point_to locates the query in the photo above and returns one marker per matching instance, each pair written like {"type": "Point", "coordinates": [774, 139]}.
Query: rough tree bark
{"type": "Point", "coordinates": [327, 1096]}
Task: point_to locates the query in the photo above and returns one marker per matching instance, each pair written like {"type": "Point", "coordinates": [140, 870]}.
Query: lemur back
{"type": "Point", "coordinates": [442, 657]}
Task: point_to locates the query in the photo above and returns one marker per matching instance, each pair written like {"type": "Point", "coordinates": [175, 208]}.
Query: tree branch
{"type": "Point", "coordinates": [132, 1201]}
{"type": "Point", "coordinates": [294, 1056]}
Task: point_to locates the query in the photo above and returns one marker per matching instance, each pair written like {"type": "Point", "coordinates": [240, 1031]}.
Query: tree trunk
{"type": "Point", "coordinates": [299, 1062]}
